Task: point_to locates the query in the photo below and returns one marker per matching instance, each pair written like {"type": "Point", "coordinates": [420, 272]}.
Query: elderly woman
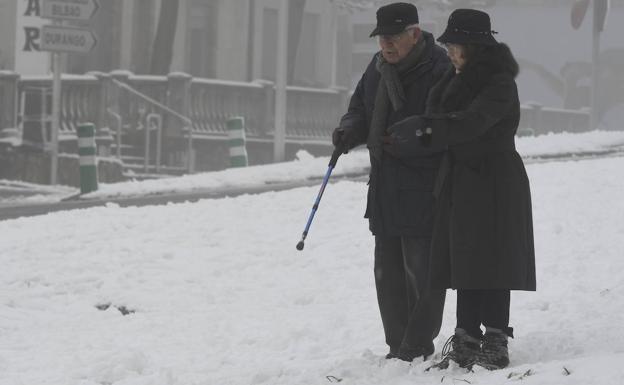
{"type": "Point", "coordinates": [482, 243]}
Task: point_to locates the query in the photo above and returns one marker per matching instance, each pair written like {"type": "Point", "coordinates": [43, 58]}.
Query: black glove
{"type": "Point", "coordinates": [407, 136]}
{"type": "Point", "coordinates": [424, 136]}
{"type": "Point", "coordinates": [344, 138]}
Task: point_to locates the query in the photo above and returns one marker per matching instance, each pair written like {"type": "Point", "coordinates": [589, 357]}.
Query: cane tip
{"type": "Point", "coordinates": [300, 245]}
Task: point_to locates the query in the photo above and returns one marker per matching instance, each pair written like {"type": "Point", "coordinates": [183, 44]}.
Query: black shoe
{"type": "Point", "coordinates": [461, 348]}
{"type": "Point", "coordinates": [393, 353]}
{"type": "Point", "coordinates": [494, 354]}
{"type": "Point", "coordinates": [410, 354]}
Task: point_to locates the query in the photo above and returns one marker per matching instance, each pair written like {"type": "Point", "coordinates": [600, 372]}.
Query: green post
{"type": "Point", "coordinates": [236, 141]}
{"type": "Point", "coordinates": [88, 162]}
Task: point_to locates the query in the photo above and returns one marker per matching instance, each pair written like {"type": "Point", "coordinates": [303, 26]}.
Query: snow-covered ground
{"type": "Point", "coordinates": [305, 167]}
{"type": "Point", "coordinates": [219, 295]}
{"type": "Point", "coordinates": [356, 163]}
{"type": "Point", "coordinates": [18, 192]}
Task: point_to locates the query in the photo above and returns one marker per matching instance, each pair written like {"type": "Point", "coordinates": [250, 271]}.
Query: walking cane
{"type": "Point", "coordinates": [332, 163]}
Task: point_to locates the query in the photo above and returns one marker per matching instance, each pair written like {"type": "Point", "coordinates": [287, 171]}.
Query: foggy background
{"type": "Point", "coordinates": [236, 39]}
{"type": "Point", "coordinates": [227, 54]}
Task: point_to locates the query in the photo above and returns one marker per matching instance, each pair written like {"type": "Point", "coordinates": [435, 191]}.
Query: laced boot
{"type": "Point", "coordinates": [461, 348]}
{"type": "Point", "coordinates": [494, 354]}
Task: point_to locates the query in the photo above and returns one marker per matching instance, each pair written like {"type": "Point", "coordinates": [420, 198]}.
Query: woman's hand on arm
{"type": "Point", "coordinates": [488, 108]}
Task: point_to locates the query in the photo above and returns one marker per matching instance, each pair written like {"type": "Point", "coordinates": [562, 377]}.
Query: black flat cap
{"type": "Point", "coordinates": [393, 18]}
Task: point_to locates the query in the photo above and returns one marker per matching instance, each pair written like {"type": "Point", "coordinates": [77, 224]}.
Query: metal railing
{"type": "Point", "coordinates": [212, 102]}
{"type": "Point", "coordinates": [185, 114]}
{"type": "Point", "coordinates": [153, 122]}
{"type": "Point", "coordinates": [118, 131]}
{"type": "Point", "coordinates": [536, 119]}
{"type": "Point", "coordinates": [80, 100]}
{"type": "Point", "coordinates": [187, 121]}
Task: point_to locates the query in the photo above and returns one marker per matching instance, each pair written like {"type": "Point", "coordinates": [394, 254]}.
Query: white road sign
{"type": "Point", "coordinates": [69, 9]}
{"type": "Point", "coordinates": [65, 39]}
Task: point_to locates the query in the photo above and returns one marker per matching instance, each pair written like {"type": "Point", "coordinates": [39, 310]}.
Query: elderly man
{"type": "Point", "coordinates": [394, 86]}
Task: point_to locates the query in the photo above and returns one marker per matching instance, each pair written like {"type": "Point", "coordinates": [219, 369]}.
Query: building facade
{"type": "Point", "coordinates": [328, 44]}
{"type": "Point", "coordinates": [222, 39]}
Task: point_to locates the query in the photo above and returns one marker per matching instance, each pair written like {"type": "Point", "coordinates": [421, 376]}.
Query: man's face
{"type": "Point", "coordinates": [396, 47]}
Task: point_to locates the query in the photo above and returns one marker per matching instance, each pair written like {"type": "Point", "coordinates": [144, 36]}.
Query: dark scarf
{"type": "Point", "coordinates": [390, 92]}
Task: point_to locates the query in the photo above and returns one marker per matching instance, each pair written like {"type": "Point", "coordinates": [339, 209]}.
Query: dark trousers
{"type": "Point", "coordinates": [411, 313]}
{"type": "Point", "coordinates": [489, 308]}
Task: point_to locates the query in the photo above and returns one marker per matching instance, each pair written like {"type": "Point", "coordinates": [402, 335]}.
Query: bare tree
{"type": "Point", "coordinates": [162, 51]}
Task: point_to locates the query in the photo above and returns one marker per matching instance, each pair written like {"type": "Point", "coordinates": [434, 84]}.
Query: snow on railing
{"type": "Point", "coordinates": [312, 113]}
{"type": "Point", "coordinates": [80, 99]}
{"type": "Point", "coordinates": [536, 119]}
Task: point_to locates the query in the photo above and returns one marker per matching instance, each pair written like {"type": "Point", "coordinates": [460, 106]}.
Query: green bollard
{"type": "Point", "coordinates": [88, 161]}
{"type": "Point", "coordinates": [236, 141]}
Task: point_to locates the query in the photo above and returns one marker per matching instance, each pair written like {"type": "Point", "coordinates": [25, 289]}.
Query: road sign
{"type": "Point", "coordinates": [69, 9]}
{"type": "Point", "coordinates": [65, 39]}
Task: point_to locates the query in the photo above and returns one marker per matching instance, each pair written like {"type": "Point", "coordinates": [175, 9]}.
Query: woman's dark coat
{"type": "Point", "coordinates": [400, 201]}
{"type": "Point", "coordinates": [483, 229]}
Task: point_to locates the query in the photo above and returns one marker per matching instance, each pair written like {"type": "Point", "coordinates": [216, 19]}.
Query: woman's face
{"type": "Point", "coordinates": [455, 52]}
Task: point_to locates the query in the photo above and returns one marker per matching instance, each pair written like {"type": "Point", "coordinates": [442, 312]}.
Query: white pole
{"type": "Point", "coordinates": [593, 117]}
{"type": "Point", "coordinates": [279, 144]}
{"type": "Point", "coordinates": [56, 113]}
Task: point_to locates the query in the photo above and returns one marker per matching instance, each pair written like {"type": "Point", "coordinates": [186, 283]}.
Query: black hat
{"type": "Point", "coordinates": [393, 18]}
{"type": "Point", "coordinates": [468, 26]}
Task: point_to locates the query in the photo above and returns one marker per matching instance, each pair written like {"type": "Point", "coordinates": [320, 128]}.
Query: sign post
{"type": "Point", "coordinates": [56, 114]}
{"type": "Point", "coordinates": [58, 39]}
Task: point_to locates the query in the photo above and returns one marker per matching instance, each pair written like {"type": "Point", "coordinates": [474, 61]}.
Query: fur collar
{"type": "Point", "coordinates": [494, 60]}
{"type": "Point", "coordinates": [454, 91]}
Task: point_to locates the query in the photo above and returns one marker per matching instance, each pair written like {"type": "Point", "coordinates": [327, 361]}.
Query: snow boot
{"type": "Point", "coordinates": [461, 348]}
{"type": "Point", "coordinates": [494, 354]}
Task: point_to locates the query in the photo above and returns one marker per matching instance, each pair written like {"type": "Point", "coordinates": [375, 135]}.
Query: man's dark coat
{"type": "Point", "coordinates": [400, 189]}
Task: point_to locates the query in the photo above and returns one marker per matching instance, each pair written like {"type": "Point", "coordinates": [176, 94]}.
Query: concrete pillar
{"type": "Point", "coordinates": [103, 135]}
{"type": "Point", "coordinates": [266, 120]}
{"type": "Point", "coordinates": [536, 118]}
{"type": "Point", "coordinates": [8, 103]}
{"type": "Point", "coordinates": [88, 158]}
{"type": "Point", "coordinates": [179, 99]}
{"type": "Point", "coordinates": [120, 97]}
